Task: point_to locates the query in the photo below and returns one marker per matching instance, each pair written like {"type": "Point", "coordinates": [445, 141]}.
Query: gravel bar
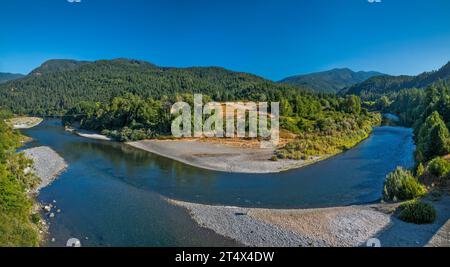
{"type": "Point", "coordinates": [350, 226]}
{"type": "Point", "coordinates": [47, 164]}
{"type": "Point", "coordinates": [219, 157]}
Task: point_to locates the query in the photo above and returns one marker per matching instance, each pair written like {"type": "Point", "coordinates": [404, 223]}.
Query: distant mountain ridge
{"type": "Point", "coordinates": [57, 65]}
{"type": "Point", "coordinates": [5, 77]}
{"type": "Point", "coordinates": [331, 81]}
{"type": "Point", "coordinates": [58, 85]}
{"type": "Point", "coordinates": [376, 86]}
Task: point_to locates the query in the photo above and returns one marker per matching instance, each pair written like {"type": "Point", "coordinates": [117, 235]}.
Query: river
{"type": "Point", "coordinates": [114, 195]}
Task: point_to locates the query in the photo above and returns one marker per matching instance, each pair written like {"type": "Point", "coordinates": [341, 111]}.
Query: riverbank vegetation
{"type": "Point", "coordinates": [428, 113]}
{"type": "Point", "coordinates": [418, 212]}
{"type": "Point", "coordinates": [336, 129]}
{"type": "Point", "coordinates": [322, 124]}
{"type": "Point", "coordinates": [131, 99]}
{"type": "Point", "coordinates": [17, 222]}
{"type": "Point", "coordinates": [401, 185]}
{"type": "Point", "coordinates": [127, 118]}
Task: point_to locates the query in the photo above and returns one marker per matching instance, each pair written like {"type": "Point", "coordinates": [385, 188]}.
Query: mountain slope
{"type": "Point", "coordinates": [330, 81]}
{"type": "Point", "coordinates": [58, 85]}
{"type": "Point", "coordinates": [4, 77]}
{"type": "Point", "coordinates": [57, 65]}
{"type": "Point", "coordinates": [376, 86]}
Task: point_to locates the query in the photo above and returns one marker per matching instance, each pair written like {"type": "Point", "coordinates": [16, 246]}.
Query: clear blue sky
{"type": "Point", "coordinates": [273, 39]}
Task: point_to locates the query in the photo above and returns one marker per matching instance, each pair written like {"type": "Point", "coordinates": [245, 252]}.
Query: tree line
{"type": "Point", "coordinates": [428, 112]}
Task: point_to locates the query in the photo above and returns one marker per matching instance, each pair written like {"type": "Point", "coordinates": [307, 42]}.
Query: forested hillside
{"type": "Point", "coordinates": [375, 87]}
{"type": "Point", "coordinates": [57, 65]}
{"type": "Point", "coordinates": [57, 86]}
{"type": "Point", "coordinates": [331, 81]}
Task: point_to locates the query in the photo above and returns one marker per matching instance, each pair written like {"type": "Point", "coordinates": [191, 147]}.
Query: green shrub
{"type": "Point", "coordinates": [401, 185]}
{"type": "Point", "coordinates": [439, 167]}
{"type": "Point", "coordinates": [417, 212]}
{"type": "Point", "coordinates": [35, 218]}
{"type": "Point", "coordinates": [420, 170]}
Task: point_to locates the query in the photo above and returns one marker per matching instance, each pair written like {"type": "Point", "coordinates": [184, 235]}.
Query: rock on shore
{"type": "Point", "coordinates": [47, 164]}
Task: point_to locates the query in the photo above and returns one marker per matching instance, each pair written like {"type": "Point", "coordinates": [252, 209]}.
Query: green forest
{"type": "Point", "coordinates": [59, 85]}
{"type": "Point", "coordinates": [428, 113]}
{"type": "Point", "coordinates": [130, 100]}
{"type": "Point", "coordinates": [18, 225]}
{"type": "Point", "coordinates": [322, 124]}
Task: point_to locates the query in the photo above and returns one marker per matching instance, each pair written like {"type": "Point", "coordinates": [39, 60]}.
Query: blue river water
{"type": "Point", "coordinates": [114, 195]}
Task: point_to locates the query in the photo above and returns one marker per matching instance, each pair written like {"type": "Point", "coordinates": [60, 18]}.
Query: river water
{"type": "Point", "coordinates": [114, 195]}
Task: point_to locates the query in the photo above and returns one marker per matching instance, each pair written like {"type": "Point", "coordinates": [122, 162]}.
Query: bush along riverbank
{"type": "Point", "coordinates": [19, 223]}
{"type": "Point", "coordinates": [22, 175]}
{"type": "Point", "coordinates": [418, 189]}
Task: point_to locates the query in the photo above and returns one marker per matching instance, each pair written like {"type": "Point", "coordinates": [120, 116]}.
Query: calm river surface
{"type": "Point", "coordinates": [113, 194]}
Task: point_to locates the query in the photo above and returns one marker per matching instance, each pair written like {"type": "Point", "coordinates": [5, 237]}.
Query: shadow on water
{"type": "Point", "coordinates": [112, 191]}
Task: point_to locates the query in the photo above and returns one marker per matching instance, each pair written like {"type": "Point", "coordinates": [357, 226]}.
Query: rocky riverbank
{"type": "Point", "coordinates": [47, 165]}
{"type": "Point", "coordinates": [330, 227]}
{"type": "Point", "coordinates": [24, 122]}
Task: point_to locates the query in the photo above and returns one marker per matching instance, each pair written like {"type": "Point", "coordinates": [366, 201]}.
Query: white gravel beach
{"type": "Point", "coordinates": [20, 123]}
{"type": "Point", "coordinates": [88, 134]}
{"type": "Point", "coordinates": [331, 227]}
{"type": "Point", "coordinates": [219, 157]}
{"type": "Point", "coordinates": [47, 164]}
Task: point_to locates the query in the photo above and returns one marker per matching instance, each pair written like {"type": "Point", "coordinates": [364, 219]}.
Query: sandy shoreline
{"type": "Point", "coordinates": [349, 226]}
{"type": "Point", "coordinates": [219, 157]}
{"type": "Point", "coordinates": [211, 155]}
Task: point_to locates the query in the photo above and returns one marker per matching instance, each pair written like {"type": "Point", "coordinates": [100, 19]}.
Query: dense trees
{"type": "Point", "coordinates": [428, 112]}
{"type": "Point", "coordinates": [125, 118]}
{"type": "Point", "coordinates": [16, 226]}
{"type": "Point", "coordinates": [407, 104]}
{"type": "Point", "coordinates": [59, 85]}
{"type": "Point", "coordinates": [432, 138]}
{"type": "Point", "coordinates": [328, 132]}
{"type": "Point", "coordinates": [324, 124]}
